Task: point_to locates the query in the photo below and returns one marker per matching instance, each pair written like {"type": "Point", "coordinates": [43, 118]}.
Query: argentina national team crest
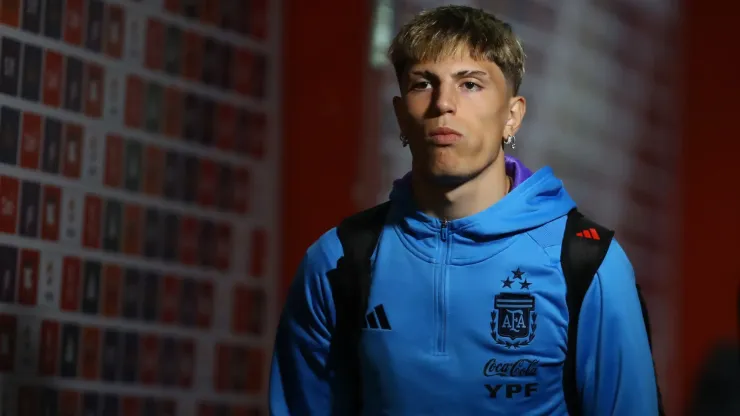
{"type": "Point", "coordinates": [514, 320]}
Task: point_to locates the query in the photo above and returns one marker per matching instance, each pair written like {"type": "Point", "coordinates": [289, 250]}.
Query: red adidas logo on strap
{"type": "Point", "coordinates": [590, 234]}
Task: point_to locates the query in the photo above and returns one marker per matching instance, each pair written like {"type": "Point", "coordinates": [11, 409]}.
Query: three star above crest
{"type": "Point", "coordinates": [517, 273]}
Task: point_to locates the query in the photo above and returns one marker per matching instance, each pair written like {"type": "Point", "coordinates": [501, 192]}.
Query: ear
{"type": "Point", "coordinates": [517, 109]}
{"type": "Point", "coordinates": [400, 109]}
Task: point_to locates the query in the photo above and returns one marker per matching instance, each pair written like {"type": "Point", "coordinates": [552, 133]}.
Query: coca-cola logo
{"type": "Point", "coordinates": [520, 368]}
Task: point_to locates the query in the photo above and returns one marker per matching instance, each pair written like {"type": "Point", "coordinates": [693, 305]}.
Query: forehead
{"type": "Point", "coordinates": [453, 63]}
{"type": "Point", "coordinates": [450, 64]}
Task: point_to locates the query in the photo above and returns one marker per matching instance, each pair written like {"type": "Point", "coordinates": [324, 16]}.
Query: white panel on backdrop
{"type": "Point", "coordinates": [93, 157]}
{"type": "Point", "coordinates": [136, 32]}
{"type": "Point", "coordinates": [114, 97]}
{"type": "Point", "coordinates": [27, 346]}
{"type": "Point", "coordinates": [71, 217]}
{"type": "Point", "coordinates": [50, 280]}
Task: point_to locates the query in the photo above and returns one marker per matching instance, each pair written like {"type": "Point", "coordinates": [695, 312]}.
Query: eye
{"type": "Point", "coordinates": [421, 85]}
{"type": "Point", "coordinates": [471, 86]}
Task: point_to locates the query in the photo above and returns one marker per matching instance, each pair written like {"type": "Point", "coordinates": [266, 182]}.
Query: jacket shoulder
{"type": "Point", "coordinates": [323, 254]}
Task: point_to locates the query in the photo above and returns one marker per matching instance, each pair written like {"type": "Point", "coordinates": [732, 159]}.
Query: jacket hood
{"type": "Point", "coordinates": [534, 200]}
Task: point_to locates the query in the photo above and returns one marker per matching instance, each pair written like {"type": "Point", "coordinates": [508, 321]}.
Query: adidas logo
{"type": "Point", "coordinates": [377, 319]}
{"type": "Point", "coordinates": [589, 234]}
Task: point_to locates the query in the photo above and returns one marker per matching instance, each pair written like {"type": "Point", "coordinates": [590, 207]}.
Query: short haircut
{"type": "Point", "coordinates": [443, 31]}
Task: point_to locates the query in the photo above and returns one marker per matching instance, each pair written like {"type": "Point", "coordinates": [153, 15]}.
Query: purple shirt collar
{"type": "Point", "coordinates": [516, 170]}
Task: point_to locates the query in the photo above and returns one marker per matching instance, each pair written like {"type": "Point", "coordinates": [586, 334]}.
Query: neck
{"type": "Point", "coordinates": [470, 197]}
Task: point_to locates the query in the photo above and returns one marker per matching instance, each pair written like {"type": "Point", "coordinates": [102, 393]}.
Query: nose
{"type": "Point", "coordinates": [446, 99]}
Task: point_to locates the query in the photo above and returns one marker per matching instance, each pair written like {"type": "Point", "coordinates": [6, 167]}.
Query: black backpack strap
{"type": "Point", "coordinates": [646, 318]}
{"type": "Point", "coordinates": [585, 244]}
{"type": "Point", "coordinates": [350, 286]}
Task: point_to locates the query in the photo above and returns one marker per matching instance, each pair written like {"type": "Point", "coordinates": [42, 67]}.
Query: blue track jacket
{"type": "Point", "coordinates": [468, 319]}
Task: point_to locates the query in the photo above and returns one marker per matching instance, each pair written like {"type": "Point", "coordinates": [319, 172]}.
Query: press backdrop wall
{"type": "Point", "coordinates": [138, 225]}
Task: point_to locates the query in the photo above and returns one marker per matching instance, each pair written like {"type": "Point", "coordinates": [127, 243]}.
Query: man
{"type": "Point", "coordinates": [466, 273]}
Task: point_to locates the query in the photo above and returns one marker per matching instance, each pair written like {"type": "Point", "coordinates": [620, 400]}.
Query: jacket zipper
{"type": "Point", "coordinates": [441, 291]}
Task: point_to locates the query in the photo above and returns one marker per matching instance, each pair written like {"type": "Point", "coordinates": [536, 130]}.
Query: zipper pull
{"type": "Point", "coordinates": [443, 231]}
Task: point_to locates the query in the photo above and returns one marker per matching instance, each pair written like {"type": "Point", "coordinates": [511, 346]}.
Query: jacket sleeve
{"type": "Point", "coordinates": [615, 371]}
{"type": "Point", "coordinates": [301, 382]}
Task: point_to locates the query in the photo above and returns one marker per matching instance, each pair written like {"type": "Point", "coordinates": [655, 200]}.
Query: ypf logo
{"type": "Point", "coordinates": [511, 390]}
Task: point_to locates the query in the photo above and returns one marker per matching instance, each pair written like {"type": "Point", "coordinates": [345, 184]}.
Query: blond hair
{"type": "Point", "coordinates": [444, 31]}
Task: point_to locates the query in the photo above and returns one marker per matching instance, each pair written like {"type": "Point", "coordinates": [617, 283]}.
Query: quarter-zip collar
{"type": "Point", "coordinates": [534, 200]}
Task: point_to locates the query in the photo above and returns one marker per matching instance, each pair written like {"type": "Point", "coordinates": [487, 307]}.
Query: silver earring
{"type": "Point", "coordinates": [404, 141]}
{"type": "Point", "coordinates": [511, 141]}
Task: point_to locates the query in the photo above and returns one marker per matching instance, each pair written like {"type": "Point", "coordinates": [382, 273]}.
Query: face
{"type": "Point", "coordinates": [455, 114]}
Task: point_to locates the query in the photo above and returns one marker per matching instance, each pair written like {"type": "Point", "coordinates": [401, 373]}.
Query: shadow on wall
{"type": "Point", "coordinates": [718, 383]}
{"type": "Point", "coordinates": [717, 386]}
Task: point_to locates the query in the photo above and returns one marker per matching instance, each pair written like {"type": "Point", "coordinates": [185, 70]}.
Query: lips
{"type": "Point", "coordinates": [445, 136]}
{"type": "Point", "coordinates": [444, 131]}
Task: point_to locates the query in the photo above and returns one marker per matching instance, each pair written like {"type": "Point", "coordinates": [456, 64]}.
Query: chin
{"type": "Point", "coordinates": [451, 177]}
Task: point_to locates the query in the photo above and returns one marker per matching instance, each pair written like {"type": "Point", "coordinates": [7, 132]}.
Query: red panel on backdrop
{"type": "Point", "coordinates": [710, 198]}
{"type": "Point", "coordinates": [324, 61]}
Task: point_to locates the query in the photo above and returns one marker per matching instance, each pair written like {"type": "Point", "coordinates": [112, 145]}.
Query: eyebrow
{"type": "Point", "coordinates": [459, 74]}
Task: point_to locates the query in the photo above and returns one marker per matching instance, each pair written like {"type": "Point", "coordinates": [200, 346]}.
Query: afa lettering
{"type": "Point", "coordinates": [511, 390]}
